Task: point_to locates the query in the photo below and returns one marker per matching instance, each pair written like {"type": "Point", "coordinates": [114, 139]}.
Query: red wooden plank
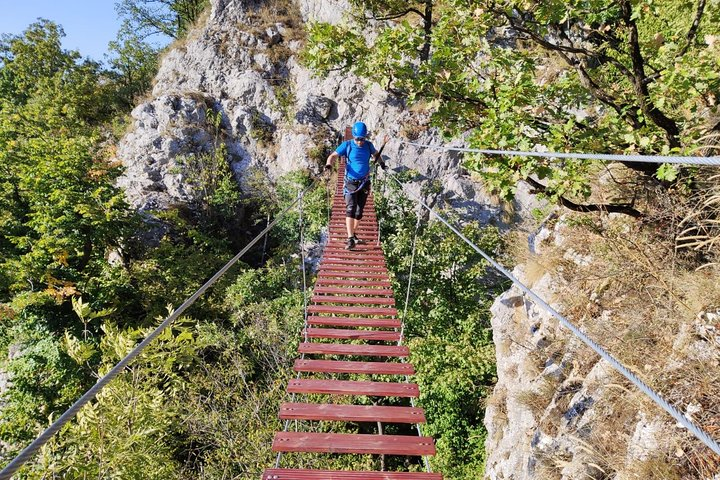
{"type": "Point", "coordinates": [353, 443]}
{"type": "Point", "coordinates": [337, 252]}
{"type": "Point", "coordinates": [339, 220]}
{"type": "Point", "coordinates": [352, 262]}
{"type": "Point", "coordinates": [355, 322]}
{"type": "Point", "coordinates": [351, 413]}
{"type": "Point", "coordinates": [351, 349]}
{"type": "Point", "coordinates": [361, 249]}
{"type": "Point", "coordinates": [362, 230]}
{"type": "Point", "coordinates": [353, 283]}
{"type": "Point", "coordinates": [366, 262]}
{"type": "Point", "coordinates": [366, 223]}
{"type": "Point", "coordinates": [299, 474]}
{"type": "Point", "coordinates": [367, 230]}
{"type": "Point", "coordinates": [337, 246]}
{"type": "Point", "coordinates": [353, 300]}
{"type": "Point", "coordinates": [365, 275]}
{"type": "Point", "coordinates": [348, 255]}
{"type": "Point", "coordinates": [353, 291]}
{"type": "Point", "coordinates": [346, 387]}
{"type": "Point", "coordinates": [335, 366]}
{"type": "Point", "coordinates": [335, 309]}
{"type": "Point", "coordinates": [343, 333]}
{"type": "Point", "coordinates": [352, 268]}
{"type": "Point", "coordinates": [353, 255]}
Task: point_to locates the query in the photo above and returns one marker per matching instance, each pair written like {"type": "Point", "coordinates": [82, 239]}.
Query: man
{"type": "Point", "coordinates": [357, 176]}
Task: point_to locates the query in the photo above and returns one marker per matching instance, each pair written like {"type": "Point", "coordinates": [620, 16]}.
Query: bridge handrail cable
{"type": "Point", "coordinates": [712, 161]}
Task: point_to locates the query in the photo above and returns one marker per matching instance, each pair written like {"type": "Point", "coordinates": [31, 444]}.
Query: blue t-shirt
{"type": "Point", "coordinates": [358, 161]}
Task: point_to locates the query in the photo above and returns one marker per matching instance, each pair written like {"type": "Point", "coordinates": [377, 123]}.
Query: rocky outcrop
{"type": "Point", "coordinates": [276, 116]}
{"type": "Point", "coordinates": [558, 410]}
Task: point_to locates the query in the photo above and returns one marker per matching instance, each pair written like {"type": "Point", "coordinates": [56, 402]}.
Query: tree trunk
{"type": "Point", "coordinates": [427, 26]}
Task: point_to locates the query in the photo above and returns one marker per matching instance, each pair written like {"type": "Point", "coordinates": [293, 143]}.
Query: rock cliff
{"type": "Point", "coordinates": [558, 410]}
{"type": "Point", "coordinates": [241, 61]}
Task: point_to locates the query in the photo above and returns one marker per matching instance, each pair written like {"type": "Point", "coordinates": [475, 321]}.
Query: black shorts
{"type": "Point", "coordinates": [356, 194]}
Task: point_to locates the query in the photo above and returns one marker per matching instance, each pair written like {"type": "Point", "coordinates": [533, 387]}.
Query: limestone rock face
{"type": "Point", "coordinates": [540, 409]}
{"type": "Point", "coordinates": [275, 115]}
{"type": "Point", "coordinates": [559, 411]}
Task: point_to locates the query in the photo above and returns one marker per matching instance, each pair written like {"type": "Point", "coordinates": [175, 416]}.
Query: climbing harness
{"type": "Point", "coordinates": [347, 191]}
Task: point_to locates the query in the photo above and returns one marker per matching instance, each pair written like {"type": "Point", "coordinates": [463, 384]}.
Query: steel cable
{"type": "Point", "coordinates": [713, 161]}
{"type": "Point", "coordinates": [301, 225]}
{"type": "Point", "coordinates": [426, 460]}
{"type": "Point", "coordinates": [674, 412]}
{"type": "Point", "coordinates": [45, 436]}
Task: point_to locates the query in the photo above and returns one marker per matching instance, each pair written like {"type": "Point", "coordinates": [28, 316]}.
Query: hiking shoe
{"type": "Point", "coordinates": [350, 244]}
{"type": "Point", "coordinates": [358, 241]}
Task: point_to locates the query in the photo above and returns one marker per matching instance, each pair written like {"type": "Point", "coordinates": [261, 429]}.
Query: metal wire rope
{"type": "Point", "coordinates": [674, 412]}
{"type": "Point", "coordinates": [713, 161]}
{"type": "Point", "coordinates": [301, 225]}
{"type": "Point", "coordinates": [45, 436]}
{"type": "Point", "coordinates": [402, 328]}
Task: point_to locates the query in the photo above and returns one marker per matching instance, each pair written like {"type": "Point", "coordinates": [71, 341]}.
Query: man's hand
{"type": "Point", "coordinates": [326, 172]}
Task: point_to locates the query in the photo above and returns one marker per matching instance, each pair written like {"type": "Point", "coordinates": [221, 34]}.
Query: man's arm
{"type": "Point", "coordinates": [331, 158]}
{"type": "Point", "coordinates": [377, 155]}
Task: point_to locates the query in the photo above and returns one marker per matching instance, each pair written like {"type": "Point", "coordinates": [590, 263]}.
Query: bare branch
{"type": "Point", "coordinates": [626, 209]}
{"type": "Point", "coordinates": [672, 131]}
{"type": "Point", "coordinates": [393, 16]}
{"type": "Point", "coordinates": [692, 32]}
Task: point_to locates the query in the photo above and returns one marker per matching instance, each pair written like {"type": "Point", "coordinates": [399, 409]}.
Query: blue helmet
{"type": "Point", "coordinates": [359, 130]}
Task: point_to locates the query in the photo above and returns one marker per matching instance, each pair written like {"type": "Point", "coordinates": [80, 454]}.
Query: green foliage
{"type": "Point", "coordinates": [285, 97]}
{"type": "Point", "coordinates": [61, 209]}
{"type": "Point", "coordinates": [231, 399]}
{"type": "Point", "coordinates": [172, 18]}
{"type": "Point", "coordinates": [44, 380]}
{"type": "Point", "coordinates": [211, 179]}
{"type": "Point", "coordinates": [124, 432]}
{"type": "Point", "coordinates": [133, 65]}
{"type": "Point", "coordinates": [270, 199]}
{"type": "Point", "coordinates": [261, 129]}
{"type": "Point", "coordinates": [332, 47]}
{"type": "Point", "coordinates": [604, 76]}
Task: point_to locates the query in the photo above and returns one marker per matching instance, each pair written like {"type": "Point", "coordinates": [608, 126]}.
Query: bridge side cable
{"type": "Point", "coordinates": [712, 161]}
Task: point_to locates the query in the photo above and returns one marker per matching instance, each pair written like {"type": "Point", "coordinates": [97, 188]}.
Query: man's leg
{"type": "Point", "coordinates": [350, 225]}
{"type": "Point", "coordinates": [360, 199]}
{"type": "Point", "coordinates": [350, 222]}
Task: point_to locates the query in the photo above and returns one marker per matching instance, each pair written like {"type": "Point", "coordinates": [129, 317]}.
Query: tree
{"type": "Point", "coordinates": [133, 64]}
{"type": "Point", "coordinates": [396, 9]}
{"type": "Point", "coordinates": [580, 76]}
{"type": "Point", "coordinates": [61, 210]}
{"type": "Point", "coordinates": [172, 18]}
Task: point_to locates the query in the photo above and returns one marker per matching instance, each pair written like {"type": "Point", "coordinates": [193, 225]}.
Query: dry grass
{"type": "Point", "coordinates": [658, 466]}
{"type": "Point", "coordinates": [642, 301]}
{"type": "Point", "coordinates": [538, 400]}
{"type": "Point", "coordinates": [268, 13]}
{"type": "Point", "coordinates": [700, 229]}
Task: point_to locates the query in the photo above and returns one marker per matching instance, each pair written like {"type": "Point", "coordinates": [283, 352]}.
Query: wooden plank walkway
{"type": "Point", "coordinates": [352, 328]}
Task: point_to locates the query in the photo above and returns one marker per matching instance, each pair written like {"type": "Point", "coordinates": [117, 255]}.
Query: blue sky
{"type": "Point", "coordinates": [89, 24]}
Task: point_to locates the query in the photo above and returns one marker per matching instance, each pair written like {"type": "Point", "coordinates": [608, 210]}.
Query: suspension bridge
{"type": "Point", "coordinates": [352, 329]}
{"type": "Point", "coordinates": [352, 301]}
